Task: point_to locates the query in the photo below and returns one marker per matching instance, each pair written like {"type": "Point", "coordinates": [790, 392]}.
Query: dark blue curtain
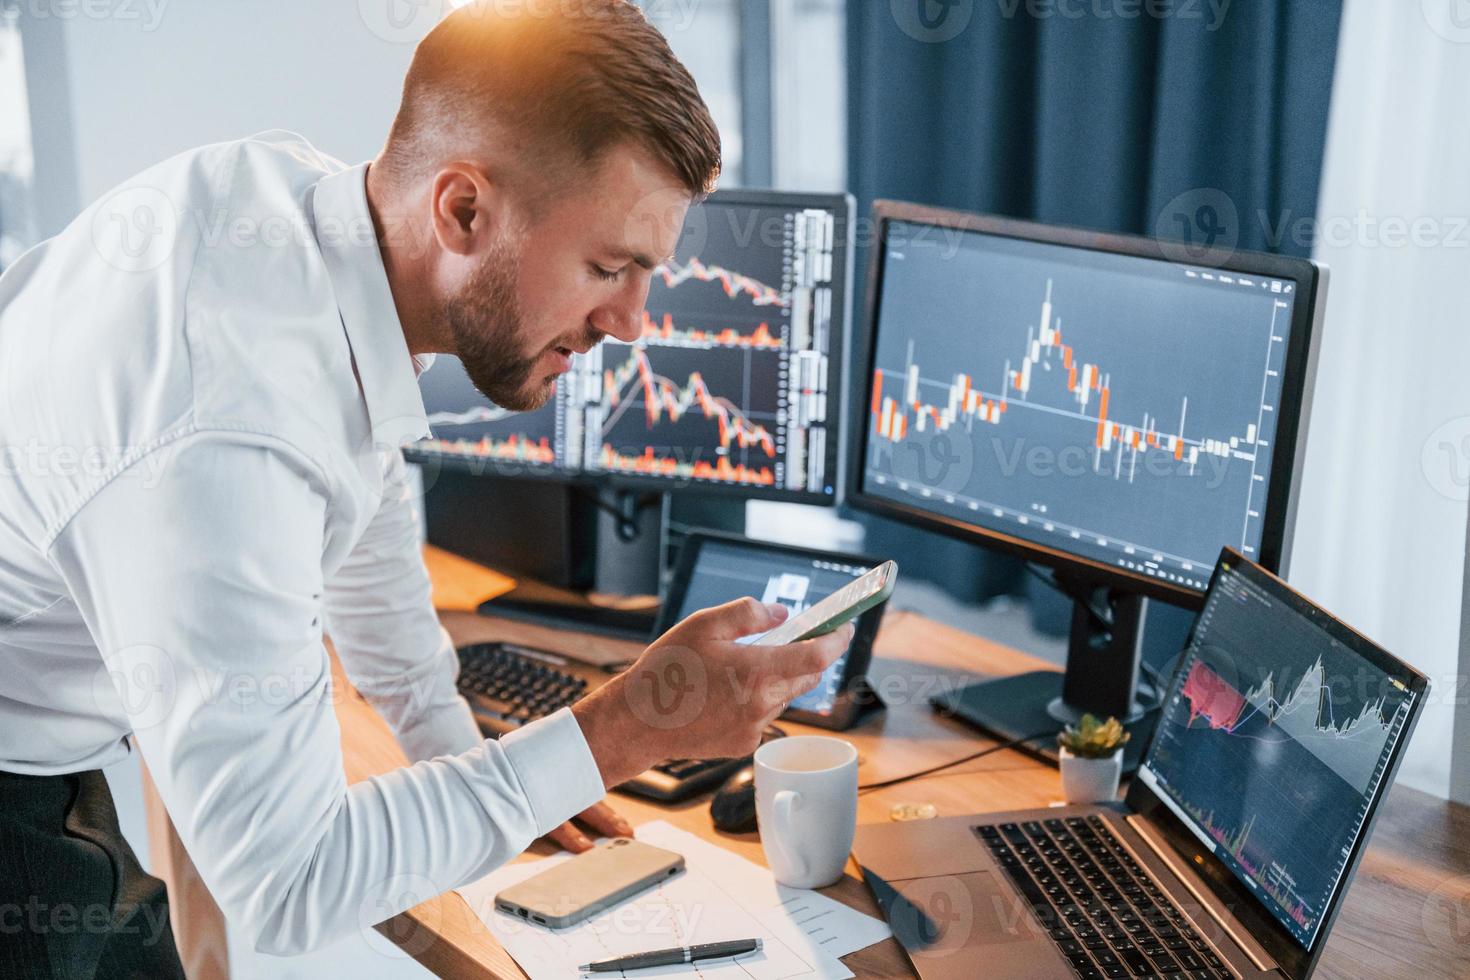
{"type": "Point", "coordinates": [1187, 119]}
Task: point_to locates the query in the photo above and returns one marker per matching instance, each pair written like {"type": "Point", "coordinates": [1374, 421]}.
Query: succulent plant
{"type": "Point", "coordinates": [1093, 739]}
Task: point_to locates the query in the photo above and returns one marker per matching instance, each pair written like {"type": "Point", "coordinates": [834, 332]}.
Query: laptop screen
{"type": "Point", "coordinates": [1275, 741]}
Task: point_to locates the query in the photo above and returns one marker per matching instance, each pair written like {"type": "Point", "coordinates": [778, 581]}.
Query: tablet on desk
{"type": "Point", "coordinates": [716, 568]}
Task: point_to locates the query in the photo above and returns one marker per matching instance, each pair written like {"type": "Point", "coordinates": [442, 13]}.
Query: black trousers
{"type": "Point", "coordinates": [74, 902]}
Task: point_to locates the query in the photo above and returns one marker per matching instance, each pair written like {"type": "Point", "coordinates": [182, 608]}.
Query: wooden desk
{"type": "Point", "coordinates": [1408, 914]}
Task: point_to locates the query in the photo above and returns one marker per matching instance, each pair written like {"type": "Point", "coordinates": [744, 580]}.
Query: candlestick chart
{"type": "Point", "coordinates": [1124, 412]}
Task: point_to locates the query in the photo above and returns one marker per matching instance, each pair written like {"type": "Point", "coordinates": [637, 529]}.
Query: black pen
{"type": "Point", "coordinates": [671, 957]}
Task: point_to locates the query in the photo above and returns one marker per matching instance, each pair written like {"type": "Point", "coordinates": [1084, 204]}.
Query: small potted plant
{"type": "Point", "coordinates": [1092, 759]}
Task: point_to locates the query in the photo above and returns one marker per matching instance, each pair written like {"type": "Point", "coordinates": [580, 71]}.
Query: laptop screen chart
{"type": "Point", "coordinates": [1273, 743]}
{"type": "Point", "coordinates": [798, 582]}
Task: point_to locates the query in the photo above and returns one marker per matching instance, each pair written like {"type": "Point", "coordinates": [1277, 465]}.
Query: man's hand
{"type": "Point", "coordinates": [695, 693]}
{"type": "Point", "coordinates": [603, 820]}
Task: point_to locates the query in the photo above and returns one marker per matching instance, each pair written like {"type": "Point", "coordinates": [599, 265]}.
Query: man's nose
{"type": "Point", "coordinates": [622, 316]}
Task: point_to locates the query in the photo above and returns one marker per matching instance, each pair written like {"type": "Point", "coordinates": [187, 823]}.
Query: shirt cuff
{"type": "Point", "coordinates": [556, 769]}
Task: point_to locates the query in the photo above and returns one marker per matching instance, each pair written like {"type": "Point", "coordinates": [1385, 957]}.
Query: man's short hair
{"type": "Point", "coordinates": [554, 84]}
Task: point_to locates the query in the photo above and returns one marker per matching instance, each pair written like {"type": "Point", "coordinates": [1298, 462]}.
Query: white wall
{"type": "Point", "coordinates": [1382, 532]}
{"type": "Point", "coordinates": [152, 78]}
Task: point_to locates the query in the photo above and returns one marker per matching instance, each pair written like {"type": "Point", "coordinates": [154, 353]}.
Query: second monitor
{"type": "Point", "coordinates": [735, 386]}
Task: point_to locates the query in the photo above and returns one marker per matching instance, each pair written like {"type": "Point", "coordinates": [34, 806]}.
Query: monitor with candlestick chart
{"type": "Point", "coordinates": [1115, 410]}
{"type": "Point", "coordinates": [1126, 410]}
{"type": "Point", "coordinates": [734, 386]}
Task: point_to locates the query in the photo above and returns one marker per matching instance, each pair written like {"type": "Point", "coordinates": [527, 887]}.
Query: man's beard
{"type": "Point", "coordinates": [487, 323]}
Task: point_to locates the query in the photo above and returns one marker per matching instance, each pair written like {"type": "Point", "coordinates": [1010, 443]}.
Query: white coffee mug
{"type": "Point", "coordinates": [806, 806]}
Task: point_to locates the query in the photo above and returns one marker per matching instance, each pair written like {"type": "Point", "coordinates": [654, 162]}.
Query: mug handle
{"type": "Point", "coordinates": [782, 805]}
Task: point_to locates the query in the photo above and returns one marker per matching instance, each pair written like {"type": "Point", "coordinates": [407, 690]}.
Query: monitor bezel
{"type": "Point", "coordinates": [1290, 412]}
{"type": "Point", "coordinates": [843, 206]}
{"type": "Point", "coordinates": [1294, 959]}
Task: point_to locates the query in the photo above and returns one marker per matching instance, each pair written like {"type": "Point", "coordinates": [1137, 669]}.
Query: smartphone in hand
{"type": "Point", "coordinates": [848, 602]}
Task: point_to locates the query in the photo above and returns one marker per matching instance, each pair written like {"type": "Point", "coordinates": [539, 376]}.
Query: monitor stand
{"type": "Point", "coordinates": [583, 559]}
{"type": "Point", "coordinates": [1103, 656]}
{"type": "Point", "coordinates": [621, 597]}
{"type": "Point", "coordinates": [620, 617]}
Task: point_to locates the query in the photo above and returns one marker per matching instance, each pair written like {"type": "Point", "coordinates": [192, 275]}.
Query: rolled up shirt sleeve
{"type": "Point", "coordinates": [204, 595]}
{"type": "Point", "coordinates": [381, 619]}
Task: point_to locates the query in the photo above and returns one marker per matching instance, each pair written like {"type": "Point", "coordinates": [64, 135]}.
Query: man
{"type": "Point", "coordinates": [198, 380]}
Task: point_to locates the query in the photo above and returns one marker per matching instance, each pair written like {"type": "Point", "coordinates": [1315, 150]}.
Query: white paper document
{"type": "Point", "coordinates": [720, 896]}
{"type": "Point", "coordinates": [827, 924]}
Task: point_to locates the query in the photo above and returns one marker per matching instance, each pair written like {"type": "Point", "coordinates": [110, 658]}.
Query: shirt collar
{"type": "Point", "coordinates": [386, 371]}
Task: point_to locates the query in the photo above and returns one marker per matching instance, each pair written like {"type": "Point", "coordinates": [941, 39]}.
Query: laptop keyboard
{"type": "Point", "coordinates": [1109, 918]}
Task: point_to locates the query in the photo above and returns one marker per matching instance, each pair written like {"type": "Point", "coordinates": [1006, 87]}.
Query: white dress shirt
{"type": "Point", "coordinates": [203, 388]}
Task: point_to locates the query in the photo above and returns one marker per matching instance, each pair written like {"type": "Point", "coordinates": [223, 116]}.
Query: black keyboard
{"type": "Point", "coordinates": [508, 685]}
{"type": "Point", "coordinates": [1103, 910]}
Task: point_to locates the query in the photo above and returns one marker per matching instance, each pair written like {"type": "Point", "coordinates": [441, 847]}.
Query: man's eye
{"type": "Point", "coordinates": [608, 275]}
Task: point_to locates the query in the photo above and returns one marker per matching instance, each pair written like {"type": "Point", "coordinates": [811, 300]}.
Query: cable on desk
{"type": "Point", "coordinates": [1013, 743]}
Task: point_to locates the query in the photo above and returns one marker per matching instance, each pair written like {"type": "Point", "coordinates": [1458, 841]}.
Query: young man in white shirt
{"type": "Point", "coordinates": [204, 382]}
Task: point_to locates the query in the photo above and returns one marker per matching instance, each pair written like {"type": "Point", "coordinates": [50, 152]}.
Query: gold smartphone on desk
{"type": "Point", "coordinates": [581, 887]}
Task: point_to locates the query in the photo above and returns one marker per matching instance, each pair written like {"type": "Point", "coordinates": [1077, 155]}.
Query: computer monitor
{"type": "Point", "coordinates": [735, 386]}
{"type": "Point", "coordinates": [475, 435]}
{"type": "Point", "coordinates": [1116, 409]}
{"type": "Point", "coordinates": [734, 391]}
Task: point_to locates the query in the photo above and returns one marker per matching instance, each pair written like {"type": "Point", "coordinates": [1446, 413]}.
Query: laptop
{"type": "Point", "coordinates": [1279, 736]}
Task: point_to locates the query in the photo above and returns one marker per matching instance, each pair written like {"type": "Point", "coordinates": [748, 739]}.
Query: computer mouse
{"type": "Point", "coordinates": [733, 808]}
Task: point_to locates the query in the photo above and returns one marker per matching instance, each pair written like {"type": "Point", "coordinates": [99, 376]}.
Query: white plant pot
{"type": "Point", "coordinates": [1091, 780]}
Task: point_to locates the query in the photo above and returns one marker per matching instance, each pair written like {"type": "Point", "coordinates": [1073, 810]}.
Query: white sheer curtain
{"type": "Point", "coordinates": [1381, 535]}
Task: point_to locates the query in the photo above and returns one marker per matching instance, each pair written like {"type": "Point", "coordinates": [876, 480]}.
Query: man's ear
{"type": "Point", "coordinates": [467, 208]}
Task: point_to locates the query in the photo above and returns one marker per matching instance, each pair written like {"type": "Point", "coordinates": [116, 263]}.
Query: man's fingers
{"type": "Point", "coordinates": [572, 839]}
{"type": "Point", "coordinates": [606, 821]}
{"type": "Point", "coordinates": [812, 656]}
{"type": "Point", "coordinates": [742, 617]}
